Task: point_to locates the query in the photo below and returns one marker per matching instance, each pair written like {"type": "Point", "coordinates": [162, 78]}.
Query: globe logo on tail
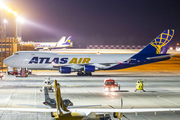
{"type": "Point", "coordinates": [69, 41]}
{"type": "Point", "coordinates": [163, 39]}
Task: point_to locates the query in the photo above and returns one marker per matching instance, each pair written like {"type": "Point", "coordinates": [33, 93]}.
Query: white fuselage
{"type": "Point", "coordinates": [44, 44]}
{"type": "Point", "coordinates": [36, 60]}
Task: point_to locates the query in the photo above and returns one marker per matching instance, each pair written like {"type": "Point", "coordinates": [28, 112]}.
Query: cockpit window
{"type": "Point", "coordinates": [16, 53]}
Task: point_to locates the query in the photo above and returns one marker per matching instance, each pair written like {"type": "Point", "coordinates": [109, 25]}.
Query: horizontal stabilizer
{"type": "Point", "coordinates": [159, 57]}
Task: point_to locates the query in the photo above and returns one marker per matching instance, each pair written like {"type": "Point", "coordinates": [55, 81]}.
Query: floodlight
{"type": "Point", "coordinates": [5, 21]}
{"type": "Point", "coordinates": [2, 5]}
{"type": "Point", "coordinates": [20, 19]}
{"type": "Point", "coordinates": [9, 10]}
{"type": "Point", "coordinates": [6, 7]}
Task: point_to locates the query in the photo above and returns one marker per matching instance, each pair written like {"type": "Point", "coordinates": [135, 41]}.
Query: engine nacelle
{"type": "Point", "coordinates": [65, 69]}
{"type": "Point", "coordinates": [89, 68]}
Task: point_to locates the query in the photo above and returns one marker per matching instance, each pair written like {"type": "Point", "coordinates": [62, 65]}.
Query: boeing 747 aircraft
{"type": "Point", "coordinates": [84, 64]}
{"type": "Point", "coordinates": [63, 42]}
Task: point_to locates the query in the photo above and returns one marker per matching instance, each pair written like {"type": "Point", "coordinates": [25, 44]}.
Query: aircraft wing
{"type": "Point", "coordinates": [129, 110]}
{"type": "Point", "coordinates": [94, 64]}
{"type": "Point", "coordinates": [59, 65]}
{"type": "Point", "coordinates": [69, 107]}
{"type": "Point", "coordinates": [88, 111]}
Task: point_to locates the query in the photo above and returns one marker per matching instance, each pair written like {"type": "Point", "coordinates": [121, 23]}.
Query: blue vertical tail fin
{"type": "Point", "coordinates": [65, 43]}
{"type": "Point", "coordinates": [69, 40]}
{"type": "Point", "coordinates": [160, 44]}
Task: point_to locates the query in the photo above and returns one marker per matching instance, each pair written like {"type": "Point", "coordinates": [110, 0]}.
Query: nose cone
{"type": "Point", "coordinates": [5, 61]}
{"type": "Point", "coordinates": [8, 61]}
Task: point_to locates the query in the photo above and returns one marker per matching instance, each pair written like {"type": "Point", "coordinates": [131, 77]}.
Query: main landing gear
{"type": "Point", "coordinates": [84, 73]}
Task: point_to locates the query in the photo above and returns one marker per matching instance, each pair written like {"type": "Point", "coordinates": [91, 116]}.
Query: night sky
{"type": "Point", "coordinates": [98, 22]}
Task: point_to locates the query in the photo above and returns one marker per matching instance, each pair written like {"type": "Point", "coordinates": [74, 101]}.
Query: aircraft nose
{"type": "Point", "coordinates": [7, 61]}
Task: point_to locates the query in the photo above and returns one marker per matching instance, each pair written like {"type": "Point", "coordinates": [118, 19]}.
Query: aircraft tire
{"type": "Point", "coordinates": [88, 74]}
{"type": "Point", "coordinates": [80, 74]}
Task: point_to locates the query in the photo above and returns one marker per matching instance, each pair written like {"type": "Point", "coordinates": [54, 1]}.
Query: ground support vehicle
{"type": "Point", "coordinates": [140, 85]}
{"type": "Point", "coordinates": [111, 85]}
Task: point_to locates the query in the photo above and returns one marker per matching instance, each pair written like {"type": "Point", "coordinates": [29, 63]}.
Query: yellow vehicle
{"type": "Point", "coordinates": [140, 85]}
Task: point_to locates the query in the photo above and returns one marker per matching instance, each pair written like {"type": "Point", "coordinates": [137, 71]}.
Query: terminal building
{"type": "Point", "coordinates": [9, 45]}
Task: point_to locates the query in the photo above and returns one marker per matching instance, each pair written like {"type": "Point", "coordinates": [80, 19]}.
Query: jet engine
{"type": "Point", "coordinates": [89, 68]}
{"type": "Point", "coordinates": [65, 69]}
